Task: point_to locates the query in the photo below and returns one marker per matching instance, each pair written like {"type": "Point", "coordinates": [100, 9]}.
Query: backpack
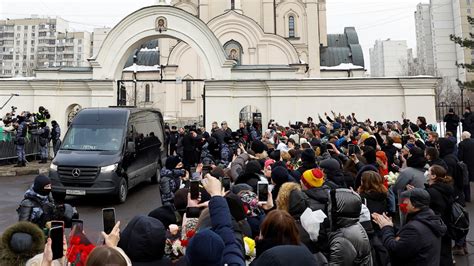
{"type": "Point", "coordinates": [458, 226]}
{"type": "Point", "coordinates": [462, 169]}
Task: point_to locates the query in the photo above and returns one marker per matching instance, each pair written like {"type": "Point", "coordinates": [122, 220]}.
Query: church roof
{"type": "Point", "coordinates": [148, 55]}
{"type": "Point", "coordinates": [342, 49]}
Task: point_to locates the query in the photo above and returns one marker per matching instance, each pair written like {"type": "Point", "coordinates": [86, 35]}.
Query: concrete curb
{"type": "Point", "coordinates": [23, 171]}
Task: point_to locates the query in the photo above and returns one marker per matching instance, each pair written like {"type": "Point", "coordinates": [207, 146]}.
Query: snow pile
{"type": "Point", "coordinates": [343, 66]}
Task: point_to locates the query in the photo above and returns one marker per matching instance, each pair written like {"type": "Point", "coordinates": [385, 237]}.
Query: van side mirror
{"type": "Point", "coordinates": [131, 147]}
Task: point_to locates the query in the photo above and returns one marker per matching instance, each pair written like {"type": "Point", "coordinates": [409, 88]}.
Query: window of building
{"type": "Point", "coordinates": [32, 57]}
{"type": "Point", "coordinates": [17, 57]}
{"type": "Point", "coordinates": [25, 42]}
{"type": "Point", "coordinates": [24, 57]}
{"type": "Point", "coordinates": [32, 42]}
{"type": "Point", "coordinates": [25, 35]}
{"type": "Point", "coordinates": [18, 27]}
{"type": "Point", "coordinates": [469, 11]}
{"type": "Point", "coordinates": [147, 93]}
{"type": "Point", "coordinates": [232, 4]}
{"type": "Point", "coordinates": [468, 2]}
{"type": "Point", "coordinates": [188, 90]}
{"type": "Point", "coordinates": [291, 26]}
{"type": "Point", "coordinates": [79, 49]}
{"type": "Point", "coordinates": [32, 49]}
{"type": "Point", "coordinates": [79, 41]}
{"type": "Point", "coordinates": [26, 27]}
{"type": "Point", "coordinates": [18, 35]}
{"type": "Point", "coordinates": [33, 34]}
{"type": "Point", "coordinates": [33, 27]}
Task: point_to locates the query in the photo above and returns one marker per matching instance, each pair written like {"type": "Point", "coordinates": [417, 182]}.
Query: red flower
{"type": "Point", "coordinates": [190, 233]}
{"type": "Point", "coordinates": [184, 242]}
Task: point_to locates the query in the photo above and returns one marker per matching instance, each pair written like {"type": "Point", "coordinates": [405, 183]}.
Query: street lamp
{"type": "Point", "coordinates": [9, 99]}
{"type": "Point", "coordinates": [135, 58]}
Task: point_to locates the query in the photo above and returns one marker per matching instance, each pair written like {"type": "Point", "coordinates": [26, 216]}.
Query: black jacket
{"type": "Point", "coordinates": [418, 242]}
{"type": "Point", "coordinates": [468, 122]}
{"type": "Point", "coordinates": [452, 122]}
{"type": "Point", "coordinates": [439, 162]}
{"type": "Point", "coordinates": [249, 179]}
{"type": "Point", "coordinates": [375, 201]}
{"type": "Point", "coordinates": [466, 154]}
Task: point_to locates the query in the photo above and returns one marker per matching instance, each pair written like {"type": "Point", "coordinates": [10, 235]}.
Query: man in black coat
{"type": "Point", "coordinates": [452, 122]}
{"type": "Point", "coordinates": [446, 152]}
{"type": "Point", "coordinates": [466, 154]}
{"type": "Point", "coordinates": [468, 121]}
{"type": "Point", "coordinates": [173, 140]}
{"type": "Point", "coordinates": [419, 241]}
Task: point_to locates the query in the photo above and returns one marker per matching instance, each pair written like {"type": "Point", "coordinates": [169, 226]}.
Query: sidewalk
{"type": "Point", "coordinates": [31, 168]}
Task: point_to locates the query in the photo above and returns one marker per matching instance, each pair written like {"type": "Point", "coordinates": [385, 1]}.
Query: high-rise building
{"type": "Point", "coordinates": [424, 47]}
{"type": "Point", "coordinates": [438, 55]}
{"type": "Point", "coordinates": [30, 43]}
{"type": "Point", "coordinates": [389, 58]}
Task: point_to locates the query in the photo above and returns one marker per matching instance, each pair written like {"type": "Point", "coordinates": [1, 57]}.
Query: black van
{"type": "Point", "coordinates": [108, 151]}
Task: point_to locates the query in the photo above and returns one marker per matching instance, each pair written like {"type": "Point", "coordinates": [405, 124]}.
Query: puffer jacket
{"type": "Point", "coordinates": [169, 184]}
{"type": "Point", "coordinates": [36, 208]}
{"type": "Point", "coordinates": [348, 240]}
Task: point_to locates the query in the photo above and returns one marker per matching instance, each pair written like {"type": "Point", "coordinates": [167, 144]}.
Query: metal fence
{"type": "Point", "coordinates": [8, 147]}
{"type": "Point", "coordinates": [442, 109]}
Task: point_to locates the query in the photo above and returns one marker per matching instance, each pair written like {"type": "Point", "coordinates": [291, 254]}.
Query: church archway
{"type": "Point", "coordinates": [159, 22]}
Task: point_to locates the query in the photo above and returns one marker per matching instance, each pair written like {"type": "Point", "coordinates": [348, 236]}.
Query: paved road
{"type": "Point", "coordinates": [141, 200]}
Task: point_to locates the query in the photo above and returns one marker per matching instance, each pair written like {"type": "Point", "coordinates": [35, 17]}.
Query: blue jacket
{"type": "Point", "coordinates": [222, 225]}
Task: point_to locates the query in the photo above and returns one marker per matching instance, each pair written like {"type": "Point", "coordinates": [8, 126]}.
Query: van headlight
{"type": "Point", "coordinates": [53, 167]}
{"type": "Point", "coordinates": [109, 168]}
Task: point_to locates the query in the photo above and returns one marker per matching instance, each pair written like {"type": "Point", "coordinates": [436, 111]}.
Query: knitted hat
{"type": "Point", "coordinates": [279, 175]}
{"type": "Point", "coordinates": [313, 178]}
{"type": "Point", "coordinates": [364, 136]}
{"type": "Point", "coordinates": [308, 156]}
{"type": "Point", "coordinates": [268, 163]}
{"type": "Point", "coordinates": [205, 248]}
{"type": "Point", "coordinates": [172, 162]}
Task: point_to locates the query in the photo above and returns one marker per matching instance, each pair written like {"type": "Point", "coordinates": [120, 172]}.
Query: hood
{"type": "Point", "coordinates": [143, 240]}
{"type": "Point", "coordinates": [8, 256]}
{"type": "Point", "coordinates": [284, 195]}
{"type": "Point", "coordinates": [344, 208]}
{"type": "Point", "coordinates": [286, 255]}
{"type": "Point", "coordinates": [446, 147]}
{"type": "Point", "coordinates": [431, 220]}
{"type": "Point", "coordinates": [86, 158]}
{"type": "Point", "coordinates": [446, 190]}
{"type": "Point", "coordinates": [319, 194]}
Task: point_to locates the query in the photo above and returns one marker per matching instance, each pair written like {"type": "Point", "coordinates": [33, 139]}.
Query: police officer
{"type": "Point", "coordinates": [43, 133]}
{"type": "Point", "coordinates": [20, 141]}
{"type": "Point", "coordinates": [42, 115]}
{"type": "Point", "coordinates": [55, 136]}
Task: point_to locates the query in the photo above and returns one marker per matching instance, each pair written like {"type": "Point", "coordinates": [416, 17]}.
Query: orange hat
{"type": "Point", "coordinates": [313, 178]}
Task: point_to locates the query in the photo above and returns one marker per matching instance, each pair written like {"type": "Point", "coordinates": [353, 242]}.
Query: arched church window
{"type": "Point", "coordinates": [232, 4]}
{"type": "Point", "coordinates": [233, 50]}
{"type": "Point", "coordinates": [291, 26]}
{"type": "Point", "coordinates": [147, 93]}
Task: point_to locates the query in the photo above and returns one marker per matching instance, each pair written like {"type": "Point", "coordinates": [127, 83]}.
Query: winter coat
{"type": "Point", "coordinates": [36, 208]}
{"type": "Point", "coordinates": [143, 240]}
{"type": "Point", "coordinates": [348, 240]}
{"type": "Point", "coordinates": [439, 162]}
{"type": "Point", "coordinates": [468, 122]}
{"type": "Point", "coordinates": [169, 184]}
{"type": "Point", "coordinates": [250, 179]}
{"type": "Point", "coordinates": [318, 198]}
{"type": "Point", "coordinates": [418, 242]}
{"type": "Point", "coordinates": [376, 202]}
{"type": "Point", "coordinates": [452, 122]}
{"type": "Point", "coordinates": [288, 255]}
{"type": "Point", "coordinates": [441, 203]}
{"type": "Point", "coordinates": [9, 256]}
{"type": "Point", "coordinates": [466, 154]}
{"type": "Point", "coordinates": [237, 166]}
{"type": "Point", "coordinates": [413, 176]}
{"type": "Point", "coordinates": [222, 225]}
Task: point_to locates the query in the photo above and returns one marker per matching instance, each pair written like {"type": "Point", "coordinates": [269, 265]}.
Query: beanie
{"type": "Point", "coordinates": [40, 182]}
{"type": "Point", "coordinates": [269, 162]}
{"type": "Point", "coordinates": [330, 164]}
{"type": "Point", "coordinates": [308, 156]}
{"type": "Point", "coordinates": [205, 248]}
{"type": "Point", "coordinates": [419, 198]}
{"type": "Point", "coordinates": [21, 242]}
{"type": "Point", "coordinates": [371, 141]}
{"type": "Point", "coordinates": [258, 146]}
{"type": "Point", "coordinates": [253, 167]}
{"type": "Point", "coordinates": [279, 175]}
{"type": "Point", "coordinates": [172, 162]}
{"type": "Point", "coordinates": [313, 178]}
{"type": "Point", "coordinates": [364, 136]}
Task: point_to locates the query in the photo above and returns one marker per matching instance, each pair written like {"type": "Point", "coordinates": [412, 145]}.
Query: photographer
{"type": "Point", "coordinates": [39, 208]}
{"type": "Point", "coordinates": [42, 115]}
{"type": "Point", "coordinates": [21, 129]}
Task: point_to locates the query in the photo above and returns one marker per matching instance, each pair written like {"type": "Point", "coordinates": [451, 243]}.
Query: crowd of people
{"type": "Point", "coordinates": [19, 130]}
{"type": "Point", "coordinates": [338, 191]}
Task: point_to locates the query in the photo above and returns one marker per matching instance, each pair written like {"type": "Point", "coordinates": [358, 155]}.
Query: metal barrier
{"type": "Point", "coordinates": [8, 147]}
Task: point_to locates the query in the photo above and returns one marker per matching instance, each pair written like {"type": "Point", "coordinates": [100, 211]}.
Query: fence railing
{"type": "Point", "coordinates": [8, 147]}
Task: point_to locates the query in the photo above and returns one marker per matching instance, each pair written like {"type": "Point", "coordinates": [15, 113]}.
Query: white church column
{"type": "Point", "coordinates": [313, 38]}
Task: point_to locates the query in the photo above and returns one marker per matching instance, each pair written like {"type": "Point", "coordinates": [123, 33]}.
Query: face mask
{"type": "Point", "coordinates": [403, 208]}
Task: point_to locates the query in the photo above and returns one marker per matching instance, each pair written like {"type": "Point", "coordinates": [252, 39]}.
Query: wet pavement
{"type": "Point", "coordinates": [141, 200]}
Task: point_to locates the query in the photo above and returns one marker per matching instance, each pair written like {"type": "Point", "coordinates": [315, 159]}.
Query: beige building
{"type": "Point", "coordinates": [270, 38]}
{"type": "Point", "coordinates": [31, 43]}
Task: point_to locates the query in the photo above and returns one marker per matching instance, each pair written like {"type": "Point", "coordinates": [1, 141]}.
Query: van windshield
{"type": "Point", "coordinates": [93, 138]}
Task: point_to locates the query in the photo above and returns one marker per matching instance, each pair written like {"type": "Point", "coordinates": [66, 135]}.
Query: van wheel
{"type": "Point", "coordinates": [155, 179]}
{"type": "Point", "coordinates": [59, 197]}
{"type": "Point", "coordinates": [122, 191]}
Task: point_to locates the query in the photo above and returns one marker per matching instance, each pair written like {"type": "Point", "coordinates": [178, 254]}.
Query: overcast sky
{"type": "Point", "coordinates": [373, 19]}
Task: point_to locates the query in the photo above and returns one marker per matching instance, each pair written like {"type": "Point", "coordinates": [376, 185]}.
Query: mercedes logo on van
{"type": "Point", "coordinates": [76, 172]}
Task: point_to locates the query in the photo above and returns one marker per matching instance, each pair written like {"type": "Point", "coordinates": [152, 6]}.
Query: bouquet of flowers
{"type": "Point", "coordinates": [392, 178]}
{"type": "Point", "coordinates": [79, 248]}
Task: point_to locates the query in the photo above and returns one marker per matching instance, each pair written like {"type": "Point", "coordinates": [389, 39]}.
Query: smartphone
{"type": "Point", "coordinates": [351, 148]}
{"type": "Point", "coordinates": [108, 218]}
{"type": "Point", "coordinates": [262, 188]}
{"type": "Point", "coordinates": [56, 235]}
{"type": "Point", "coordinates": [194, 189]}
{"type": "Point", "coordinates": [79, 224]}
{"type": "Point", "coordinates": [56, 224]}
{"type": "Point", "coordinates": [206, 169]}
{"type": "Point", "coordinates": [225, 181]}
